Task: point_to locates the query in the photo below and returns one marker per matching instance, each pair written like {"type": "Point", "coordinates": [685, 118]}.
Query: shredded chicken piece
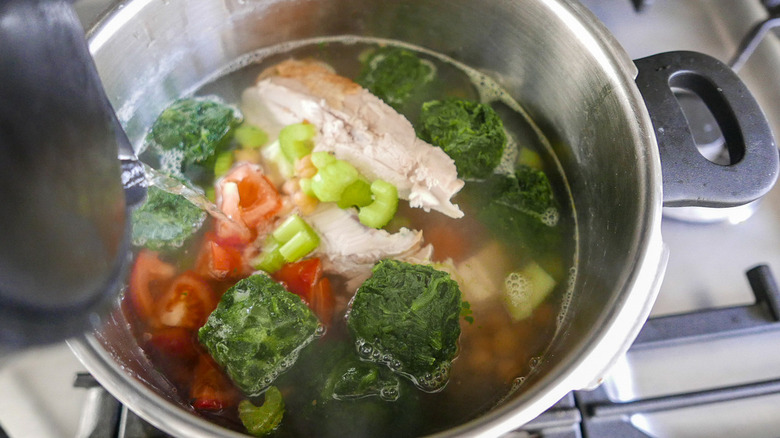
{"type": "Point", "coordinates": [360, 128]}
{"type": "Point", "coordinates": [350, 249]}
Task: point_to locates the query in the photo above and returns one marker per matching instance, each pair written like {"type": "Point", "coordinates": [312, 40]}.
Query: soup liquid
{"type": "Point", "coordinates": [495, 352]}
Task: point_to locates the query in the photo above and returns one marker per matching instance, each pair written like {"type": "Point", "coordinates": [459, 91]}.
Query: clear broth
{"type": "Point", "coordinates": [496, 353]}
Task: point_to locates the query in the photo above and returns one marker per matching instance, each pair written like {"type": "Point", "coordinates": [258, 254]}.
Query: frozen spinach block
{"type": "Point", "coordinates": [471, 133]}
{"type": "Point", "coordinates": [165, 220]}
{"type": "Point", "coordinates": [351, 378]}
{"type": "Point", "coordinates": [406, 317]}
{"type": "Point", "coordinates": [521, 210]}
{"type": "Point", "coordinates": [257, 331]}
{"type": "Point", "coordinates": [331, 393]}
{"type": "Point", "coordinates": [193, 129]}
{"type": "Point", "coordinates": [393, 74]}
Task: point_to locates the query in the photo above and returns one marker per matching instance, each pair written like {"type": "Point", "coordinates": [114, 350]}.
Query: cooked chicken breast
{"type": "Point", "coordinates": [357, 127]}
{"type": "Point", "coordinates": [351, 249]}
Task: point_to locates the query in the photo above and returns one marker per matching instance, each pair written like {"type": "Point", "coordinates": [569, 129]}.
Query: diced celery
{"type": "Point", "coordinates": [530, 158]}
{"type": "Point", "coordinates": [279, 169]}
{"type": "Point", "coordinates": [250, 136]}
{"type": "Point", "coordinates": [378, 213]}
{"type": "Point", "coordinates": [296, 238]}
{"type": "Point", "coordinates": [264, 419]}
{"type": "Point", "coordinates": [331, 180]}
{"type": "Point", "coordinates": [211, 193]}
{"type": "Point", "coordinates": [357, 194]}
{"type": "Point", "coordinates": [321, 159]}
{"type": "Point", "coordinates": [270, 259]}
{"type": "Point", "coordinates": [299, 245]}
{"type": "Point", "coordinates": [525, 289]}
{"type": "Point", "coordinates": [296, 140]}
{"type": "Point", "coordinates": [305, 184]}
{"type": "Point", "coordinates": [290, 227]}
{"type": "Point", "coordinates": [223, 163]}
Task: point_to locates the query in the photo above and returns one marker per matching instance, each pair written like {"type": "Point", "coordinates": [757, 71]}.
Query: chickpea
{"type": "Point", "coordinates": [304, 168]}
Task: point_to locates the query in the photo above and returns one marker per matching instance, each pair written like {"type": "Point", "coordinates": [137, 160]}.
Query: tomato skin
{"type": "Point", "coordinates": [322, 302]}
{"type": "Point", "coordinates": [187, 303]}
{"type": "Point", "coordinates": [299, 277]}
{"type": "Point", "coordinates": [149, 279]}
{"type": "Point", "coordinates": [304, 278]}
{"type": "Point", "coordinates": [222, 259]}
{"type": "Point", "coordinates": [211, 390]}
{"type": "Point", "coordinates": [175, 351]}
{"type": "Point", "coordinates": [175, 342]}
{"type": "Point", "coordinates": [250, 199]}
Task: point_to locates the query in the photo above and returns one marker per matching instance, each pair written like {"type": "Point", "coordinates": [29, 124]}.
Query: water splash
{"type": "Point", "coordinates": [178, 187]}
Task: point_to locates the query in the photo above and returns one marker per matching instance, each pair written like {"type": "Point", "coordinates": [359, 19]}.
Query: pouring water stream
{"type": "Point", "coordinates": [177, 187]}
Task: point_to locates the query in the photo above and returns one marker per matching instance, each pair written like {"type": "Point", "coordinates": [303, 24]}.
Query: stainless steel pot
{"type": "Point", "coordinates": [576, 83]}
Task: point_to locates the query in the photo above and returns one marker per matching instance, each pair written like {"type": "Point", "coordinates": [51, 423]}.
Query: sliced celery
{"type": "Point", "coordinates": [305, 184]}
{"type": "Point", "coordinates": [296, 238]}
{"type": "Point", "coordinates": [270, 259]}
{"type": "Point", "coordinates": [298, 246]}
{"type": "Point", "coordinates": [211, 193]}
{"type": "Point", "coordinates": [378, 213]}
{"type": "Point", "coordinates": [357, 194]}
{"type": "Point", "coordinates": [279, 168]}
{"type": "Point", "coordinates": [525, 289]}
{"type": "Point", "coordinates": [331, 180]}
{"type": "Point", "coordinates": [321, 159]}
{"type": "Point", "coordinates": [223, 163]}
{"type": "Point", "coordinates": [290, 227]}
{"type": "Point", "coordinates": [530, 158]}
{"type": "Point", "coordinates": [250, 136]}
{"type": "Point", "coordinates": [296, 140]}
{"type": "Point", "coordinates": [264, 419]}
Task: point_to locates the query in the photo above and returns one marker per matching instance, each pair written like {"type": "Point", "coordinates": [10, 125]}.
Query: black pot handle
{"type": "Point", "coordinates": [689, 179]}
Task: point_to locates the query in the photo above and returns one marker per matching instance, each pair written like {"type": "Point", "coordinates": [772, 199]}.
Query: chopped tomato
{"type": "Point", "coordinates": [211, 390]}
{"type": "Point", "coordinates": [149, 280]}
{"type": "Point", "coordinates": [300, 277]}
{"type": "Point", "coordinates": [304, 278]}
{"type": "Point", "coordinates": [249, 198]}
{"type": "Point", "coordinates": [187, 303]}
{"type": "Point", "coordinates": [175, 351]}
{"type": "Point", "coordinates": [234, 230]}
{"type": "Point", "coordinates": [175, 342]}
{"type": "Point", "coordinates": [321, 301]}
{"type": "Point", "coordinates": [222, 259]}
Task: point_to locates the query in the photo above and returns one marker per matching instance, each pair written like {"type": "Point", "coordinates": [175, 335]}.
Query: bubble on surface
{"type": "Point", "coordinates": [567, 296]}
{"type": "Point", "coordinates": [389, 393]}
{"type": "Point", "coordinates": [550, 217]}
{"type": "Point", "coordinates": [517, 287]}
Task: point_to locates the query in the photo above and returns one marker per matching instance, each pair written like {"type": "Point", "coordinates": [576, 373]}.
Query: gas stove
{"type": "Point", "coordinates": [707, 363]}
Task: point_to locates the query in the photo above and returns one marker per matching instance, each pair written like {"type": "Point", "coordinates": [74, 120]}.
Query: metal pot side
{"type": "Point", "coordinates": [553, 56]}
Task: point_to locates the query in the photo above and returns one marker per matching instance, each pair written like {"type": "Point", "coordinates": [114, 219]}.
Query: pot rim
{"type": "Point", "coordinates": [581, 369]}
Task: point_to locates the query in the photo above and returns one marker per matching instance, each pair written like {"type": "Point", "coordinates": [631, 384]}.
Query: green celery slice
{"type": "Point", "coordinates": [296, 140]}
{"type": "Point", "coordinates": [381, 211]}
{"type": "Point", "coordinates": [357, 194]}
{"type": "Point", "coordinates": [331, 180]}
{"type": "Point", "coordinates": [250, 136]}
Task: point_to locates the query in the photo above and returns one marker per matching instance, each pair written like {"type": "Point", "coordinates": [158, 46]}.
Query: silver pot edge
{"type": "Point", "coordinates": [593, 360]}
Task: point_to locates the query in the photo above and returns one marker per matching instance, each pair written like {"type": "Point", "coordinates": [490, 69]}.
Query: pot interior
{"type": "Point", "coordinates": [551, 56]}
